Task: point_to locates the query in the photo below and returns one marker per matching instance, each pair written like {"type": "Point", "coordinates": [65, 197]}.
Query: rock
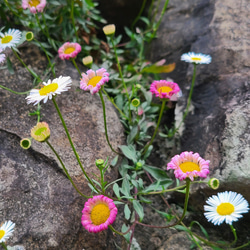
{"type": "Point", "coordinates": [35, 192]}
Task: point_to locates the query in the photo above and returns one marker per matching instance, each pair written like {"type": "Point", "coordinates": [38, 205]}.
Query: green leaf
{"type": "Point", "coordinates": [201, 227]}
{"type": "Point", "coordinates": [126, 188]}
{"type": "Point", "coordinates": [127, 212]}
{"type": "Point", "coordinates": [129, 152]}
{"type": "Point", "coordinates": [138, 208]}
{"type": "Point", "coordinates": [114, 161]}
{"type": "Point", "coordinates": [89, 3]}
{"type": "Point", "coordinates": [9, 66]}
{"type": "Point", "coordinates": [157, 173]}
{"type": "Point", "coordinates": [158, 186]}
{"type": "Point", "coordinates": [159, 68]}
{"type": "Point", "coordinates": [116, 190]}
{"type": "Point", "coordinates": [132, 134]}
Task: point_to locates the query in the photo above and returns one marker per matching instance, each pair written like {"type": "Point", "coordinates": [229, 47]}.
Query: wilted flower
{"type": "Point", "coordinates": [10, 38]}
{"type": "Point", "coordinates": [189, 165]}
{"type": "Point", "coordinates": [93, 80]}
{"type": "Point", "coordinates": [226, 206]}
{"type": "Point", "coordinates": [6, 230]}
{"type": "Point", "coordinates": [164, 89]}
{"type": "Point", "coordinates": [34, 5]}
{"type": "Point", "coordinates": [69, 50]}
{"type": "Point", "coordinates": [54, 87]}
{"type": "Point", "coordinates": [98, 213]}
{"type": "Point", "coordinates": [87, 60]}
{"type": "Point", "coordinates": [40, 132]}
{"type": "Point", "coordinates": [192, 57]}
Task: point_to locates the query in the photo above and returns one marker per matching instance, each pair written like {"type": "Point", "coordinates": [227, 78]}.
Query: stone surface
{"type": "Point", "coordinates": [35, 192]}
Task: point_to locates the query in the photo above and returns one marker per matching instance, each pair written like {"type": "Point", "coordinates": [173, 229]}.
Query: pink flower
{"type": "Point", "coordinates": [164, 89]}
{"type": "Point", "coordinates": [34, 5]}
{"type": "Point", "coordinates": [69, 50]}
{"type": "Point", "coordinates": [98, 213]}
{"type": "Point", "coordinates": [93, 80]}
{"type": "Point", "coordinates": [140, 111]}
{"type": "Point", "coordinates": [189, 165]}
{"type": "Point", "coordinates": [2, 56]}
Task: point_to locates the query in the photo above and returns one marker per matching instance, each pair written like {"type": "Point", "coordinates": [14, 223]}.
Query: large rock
{"type": "Point", "coordinates": [35, 192]}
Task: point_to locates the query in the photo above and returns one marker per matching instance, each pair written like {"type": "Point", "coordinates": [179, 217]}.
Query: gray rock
{"type": "Point", "coordinates": [35, 192]}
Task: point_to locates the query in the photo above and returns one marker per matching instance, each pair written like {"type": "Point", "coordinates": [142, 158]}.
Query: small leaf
{"type": "Point", "coordinates": [157, 173]}
{"type": "Point", "coordinates": [114, 161]}
{"type": "Point", "coordinates": [138, 208]}
{"type": "Point", "coordinates": [129, 152]}
{"type": "Point", "coordinates": [116, 190]}
{"type": "Point", "coordinates": [132, 134]}
{"type": "Point", "coordinates": [159, 69]}
{"type": "Point", "coordinates": [127, 212]}
{"type": "Point", "coordinates": [9, 66]}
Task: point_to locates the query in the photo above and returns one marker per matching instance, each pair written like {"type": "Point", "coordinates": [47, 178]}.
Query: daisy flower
{"type": "Point", "coordinates": [226, 206]}
{"type": "Point", "coordinates": [189, 165]}
{"type": "Point", "coordinates": [93, 80]}
{"type": "Point", "coordinates": [6, 230]}
{"type": "Point", "coordinates": [34, 5]}
{"type": "Point", "coordinates": [10, 38]}
{"type": "Point", "coordinates": [192, 57]}
{"type": "Point", "coordinates": [2, 56]}
{"type": "Point", "coordinates": [98, 213]}
{"type": "Point", "coordinates": [54, 87]}
{"type": "Point", "coordinates": [69, 50]}
{"type": "Point", "coordinates": [164, 89]}
{"type": "Point", "coordinates": [40, 132]}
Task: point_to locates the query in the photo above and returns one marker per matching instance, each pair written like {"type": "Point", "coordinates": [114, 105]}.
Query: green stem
{"type": "Point", "coordinates": [188, 181]}
{"type": "Point", "coordinates": [38, 112]}
{"type": "Point", "coordinates": [45, 25]}
{"type": "Point", "coordinates": [234, 233]}
{"type": "Point", "coordinates": [74, 62]}
{"type": "Point", "coordinates": [112, 101]}
{"type": "Point", "coordinates": [39, 24]}
{"type": "Point", "coordinates": [50, 64]}
{"type": "Point", "coordinates": [32, 73]}
{"type": "Point", "coordinates": [65, 170]}
{"type": "Point", "coordinates": [14, 92]}
{"type": "Point", "coordinates": [105, 123]}
{"type": "Point", "coordinates": [73, 19]}
{"type": "Point", "coordinates": [189, 97]}
{"type": "Point", "coordinates": [139, 14]}
{"type": "Point", "coordinates": [121, 75]}
{"type": "Point", "coordinates": [72, 145]}
{"type": "Point", "coordinates": [4, 246]}
{"type": "Point", "coordinates": [160, 19]}
{"type": "Point", "coordinates": [156, 129]}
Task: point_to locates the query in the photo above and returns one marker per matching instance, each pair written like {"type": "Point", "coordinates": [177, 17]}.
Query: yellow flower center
{"type": "Point", "coordinates": [93, 81]}
{"type": "Point", "coordinates": [196, 58]}
{"type": "Point", "coordinates": [225, 208]}
{"type": "Point", "coordinates": [48, 89]}
{"type": "Point", "coordinates": [164, 89]}
{"type": "Point", "coordinates": [189, 166]}
{"type": "Point", "coordinates": [69, 50]}
{"type": "Point", "coordinates": [40, 131]}
{"type": "Point", "coordinates": [7, 39]}
{"type": "Point", "coordinates": [2, 233]}
{"type": "Point", "coordinates": [99, 214]}
{"type": "Point", "coordinates": [34, 3]}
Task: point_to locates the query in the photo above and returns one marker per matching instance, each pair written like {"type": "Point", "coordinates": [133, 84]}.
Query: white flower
{"type": "Point", "coordinates": [192, 57]}
{"type": "Point", "coordinates": [226, 206]}
{"type": "Point", "coordinates": [10, 38]}
{"type": "Point", "coordinates": [2, 56]}
{"type": "Point", "coordinates": [6, 230]}
{"type": "Point", "coordinates": [57, 86]}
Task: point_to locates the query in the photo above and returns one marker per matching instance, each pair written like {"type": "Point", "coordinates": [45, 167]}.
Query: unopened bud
{"type": "Point", "coordinates": [109, 30]}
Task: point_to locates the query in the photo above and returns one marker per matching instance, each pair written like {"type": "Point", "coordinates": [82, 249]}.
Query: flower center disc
{"type": "Point", "coordinates": [196, 58]}
{"type": "Point", "coordinates": [7, 39]}
{"type": "Point", "coordinates": [164, 89]}
{"type": "Point", "coordinates": [34, 3]}
{"type": "Point", "coordinates": [99, 214]}
{"type": "Point", "coordinates": [225, 208]}
{"type": "Point", "coordinates": [93, 81]}
{"type": "Point", "coordinates": [69, 50]}
{"type": "Point", "coordinates": [48, 89]}
{"type": "Point", "coordinates": [189, 167]}
{"type": "Point", "coordinates": [40, 131]}
{"type": "Point", "coordinates": [2, 233]}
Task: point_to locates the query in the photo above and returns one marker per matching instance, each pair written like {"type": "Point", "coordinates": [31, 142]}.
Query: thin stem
{"type": "Point", "coordinates": [73, 19]}
{"type": "Point", "coordinates": [120, 233]}
{"type": "Point", "coordinates": [234, 233]}
{"type": "Point", "coordinates": [32, 73]}
{"type": "Point", "coordinates": [72, 145]}
{"type": "Point", "coordinates": [39, 24]}
{"type": "Point", "coordinates": [156, 129]}
{"type": "Point", "coordinates": [14, 92]}
{"type": "Point", "coordinates": [112, 101]}
{"type": "Point", "coordinates": [105, 123]}
{"type": "Point", "coordinates": [4, 246]}
{"type": "Point", "coordinates": [46, 28]}
{"type": "Point", "coordinates": [74, 62]}
{"type": "Point", "coordinates": [139, 14]}
{"type": "Point", "coordinates": [188, 181]}
{"type": "Point", "coordinates": [65, 170]}
{"type": "Point", "coordinates": [189, 97]}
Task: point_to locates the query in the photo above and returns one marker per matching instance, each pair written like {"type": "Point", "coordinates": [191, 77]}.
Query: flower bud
{"type": "Point", "coordinates": [135, 102]}
{"type": "Point", "coordinates": [214, 183]}
{"type": "Point", "coordinates": [25, 143]}
{"type": "Point", "coordinates": [29, 36]}
{"type": "Point", "coordinates": [87, 61]}
{"type": "Point", "coordinates": [109, 30]}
